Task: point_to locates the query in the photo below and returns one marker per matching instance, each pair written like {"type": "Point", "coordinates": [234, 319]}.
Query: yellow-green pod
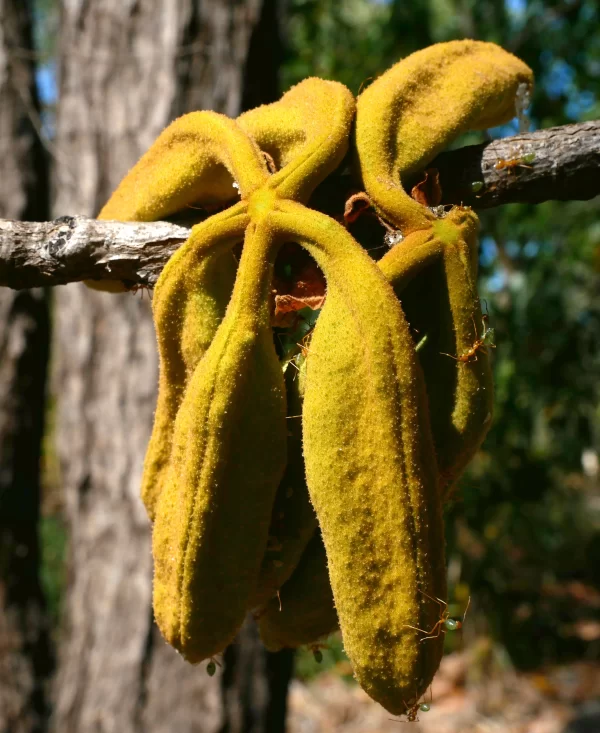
{"type": "Point", "coordinates": [404, 119]}
{"type": "Point", "coordinates": [189, 302]}
{"type": "Point", "coordinates": [371, 466]}
{"type": "Point", "coordinates": [293, 519]}
{"type": "Point", "coordinates": [195, 159]}
{"type": "Point", "coordinates": [228, 457]}
{"type": "Point", "coordinates": [434, 273]}
{"type": "Point", "coordinates": [200, 158]}
{"type": "Point", "coordinates": [304, 612]}
{"type": "Point", "coordinates": [306, 133]}
{"type": "Point", "coordinates": [411, 113]}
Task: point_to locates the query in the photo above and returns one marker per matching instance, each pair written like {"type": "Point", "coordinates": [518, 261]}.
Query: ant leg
{"type": "Point", "coordinates": [416, 628]}
{"type": "Point", "coordinates": [475, 327]}
{"type": "Point", "coordinates": [428, 634]}
{"type": "Point", "coordinates": [456, 358]}
{"type": "Point", "coordinates": [439, 601]}
{"type": "Point", "coordinates": [440, 629]}
{"type": "Point", "coordinates": [466, 609]}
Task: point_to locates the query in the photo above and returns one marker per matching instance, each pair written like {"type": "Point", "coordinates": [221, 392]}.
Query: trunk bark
{"type": "Point", "coordinates": [25, 652]}
{"type": "Point", "coordinates": [127, 69]}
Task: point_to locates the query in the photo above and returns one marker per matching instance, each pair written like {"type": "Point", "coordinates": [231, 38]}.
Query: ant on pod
{"type": "Point", "coordinates": [211, 667]}
{"type": "Point", "coordinates": [444, 623]}
{"type": "Point", "coordinates": [412, 711]}
{"type": "Point", "coordinates": [317, 652]}
{"type": "Point", "coordinates": [482, 343]}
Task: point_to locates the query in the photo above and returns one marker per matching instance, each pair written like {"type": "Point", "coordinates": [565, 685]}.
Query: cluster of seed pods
{"type": "Point", "coordinates": [334, 520]}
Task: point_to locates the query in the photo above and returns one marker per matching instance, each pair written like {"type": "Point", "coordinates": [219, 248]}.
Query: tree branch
{"type": "Point", "coordinates": [565, 165]}
{"type": "Point", "coordinates": [77, 248]}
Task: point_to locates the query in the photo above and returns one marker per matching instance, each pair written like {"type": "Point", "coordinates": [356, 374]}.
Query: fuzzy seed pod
{"type": "Point", "coordinates": [371, 466]}
{"type": "Point", "coordinates": [411, 113]}
{"type": "Point", "coordinates": [189, 303]}
{"type": "Point", "coordinates": [305, 133]}
{"type": "Point", "coordinates": [404, 119]}
{"type": "Point", "coordinates": [195, 159]}
{"type": "Point", "coordinates": [434, 273]}
{"type": "Point", "coordinates": [293, 519]}
{"type": "Point", "coordinates": [304, 612]}
{"type": "Point", "coordinates": [228, 457]}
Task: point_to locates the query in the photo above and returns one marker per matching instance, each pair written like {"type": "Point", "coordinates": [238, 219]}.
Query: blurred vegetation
{"type": "Point", "coordinates": [524, 528]}
{"type": "Point", "coordinates": [53, 543]}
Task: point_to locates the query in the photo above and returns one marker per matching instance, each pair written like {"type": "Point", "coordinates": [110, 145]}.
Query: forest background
{"type": "Point", "coordinates": [524, 529]}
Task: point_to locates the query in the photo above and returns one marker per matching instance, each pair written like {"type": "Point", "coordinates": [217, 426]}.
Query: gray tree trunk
{"type": "Point", "coordinates": [127, 69]}
{"type": "Point", "coordinates": [25, 653]}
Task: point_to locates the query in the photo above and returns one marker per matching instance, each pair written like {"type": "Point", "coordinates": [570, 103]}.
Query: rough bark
{"type": "Point", "coordinates": [564, 166]}
{"type": "Point", "coordinates": [126, 70]}
{"type": "Point", "coordinates": [25, 652]}
{"type": "Point", "coordinates": [76, 248]}
{"type": "Point", "coordinates": [71, 249]}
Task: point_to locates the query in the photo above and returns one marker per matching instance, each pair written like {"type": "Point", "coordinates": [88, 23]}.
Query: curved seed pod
{"type": "Point", "coordinates": [403, 120]}
{"type": "Point", "coordinates": [305, 132]}
{"type": "Point", "coordinates": [304, 613]}
{"type": "Point", "coordinates": [371, 466]}
{"type": "Point", "coordinates": [410, 113]}
{"type": "Point", "coordinates": [189, 302]}
{"type": "Point", "coordinates": [228, 457]}
{"type": "Point", "coordinates": [434, 273]}
{"type": "Point", "coordinates": [196, 158]}
{"type": "Point", "coordinates": [293, 519]}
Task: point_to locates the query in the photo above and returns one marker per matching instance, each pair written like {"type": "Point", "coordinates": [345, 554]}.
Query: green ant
{"type": "Point", "coordinates": [211, 667]}
{"type": "Point", "coordinates": [445, 622]}
{"type": "Point", "coordinates": [481, 342]}
{"type": "Point", "coordinates": [412, 711]}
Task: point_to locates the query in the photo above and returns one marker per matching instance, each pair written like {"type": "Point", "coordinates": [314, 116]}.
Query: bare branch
{"type": "Point", "coordinates": [558, 163]}
{"type": "Point", "coordinates": [76, 248]}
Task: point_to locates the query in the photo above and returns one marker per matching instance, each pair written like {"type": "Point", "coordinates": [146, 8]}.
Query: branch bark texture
{"type": "Point", "coordinates": [73, 248]}
{"type": "Point", "coordinates": [560, 163]}
{"type": "Point", "coordinates": [564, 165]}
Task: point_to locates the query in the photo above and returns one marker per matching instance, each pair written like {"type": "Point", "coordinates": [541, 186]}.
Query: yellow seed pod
{"type": "Point", "coordinates": [305, 133]}
{"type": "Point", "coordinates": [304, 612]}
{"type": "Point", "coordinates": [371, 466]}
{"type": "Point", "coordinates": [189, 302]}
{"type": "Point", "coordinates": [434, 273]}
{"type": "Point", "coordinates": [411, 113]}
{"type": "Point", "coordinates": [293, 519]}
{"type": "Point", "coordinates": [195, 159]}
{"type": "Point", "coordinates": [228, 457]}
{"type": "Point", "coordinates": [404, 119]}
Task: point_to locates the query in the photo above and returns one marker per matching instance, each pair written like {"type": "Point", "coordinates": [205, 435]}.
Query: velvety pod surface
{"type": "Point", "coordinates": [380, 430]}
